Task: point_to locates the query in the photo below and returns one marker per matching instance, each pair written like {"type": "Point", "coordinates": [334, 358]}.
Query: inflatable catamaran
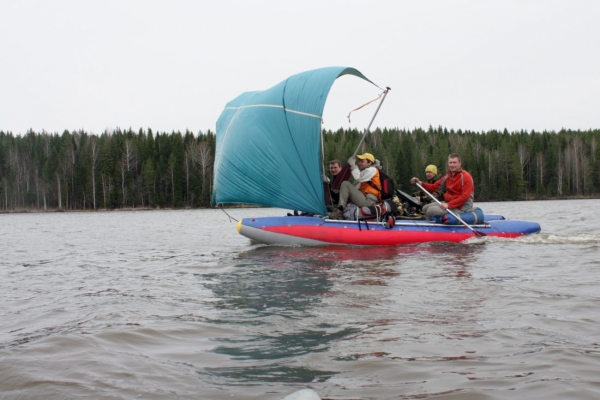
{"type": "Point", "coordinates": [269, 153]}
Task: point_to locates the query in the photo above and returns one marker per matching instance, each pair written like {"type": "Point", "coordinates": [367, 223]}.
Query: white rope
{"type": "Point", "coordinates": [276, 106]}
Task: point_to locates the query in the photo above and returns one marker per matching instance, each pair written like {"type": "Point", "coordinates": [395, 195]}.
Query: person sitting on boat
{"type": "Point", "coordinates": [431, 172]}
{"type": "Point", "coordinates": [459, 190]}
{"type": "Point", "coordinates": [363, 193]}
{"type": "Point", "coordinates": [335, 166]}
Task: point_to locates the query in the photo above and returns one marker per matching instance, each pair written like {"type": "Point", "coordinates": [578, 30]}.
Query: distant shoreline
{"type": "Point", "coordinates": [56, 210]}
{"type": "Point", "coordinates": [230, 207]}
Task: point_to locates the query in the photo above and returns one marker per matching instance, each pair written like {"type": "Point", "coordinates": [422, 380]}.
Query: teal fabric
{"type": "Point", "coordinates": [268, 149]}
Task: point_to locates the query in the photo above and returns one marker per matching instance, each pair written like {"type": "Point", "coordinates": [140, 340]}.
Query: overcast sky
{"type": "Point", "coordinates": [173, 65]}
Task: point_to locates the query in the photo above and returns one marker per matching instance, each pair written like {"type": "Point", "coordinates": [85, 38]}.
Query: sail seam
{"type": "Point", "coordinates": [275, 106]}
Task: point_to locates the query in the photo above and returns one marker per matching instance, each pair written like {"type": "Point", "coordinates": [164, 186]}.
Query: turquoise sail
{"type": "Point", "coordinates": [268, 149]}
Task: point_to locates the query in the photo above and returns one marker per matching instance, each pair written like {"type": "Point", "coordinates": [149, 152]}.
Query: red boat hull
{"type": "Point", "coordinates": [319, 231]}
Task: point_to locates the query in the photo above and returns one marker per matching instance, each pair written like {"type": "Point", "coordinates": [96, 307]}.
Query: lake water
{"type": "Point", "coordinates": [176, 304]}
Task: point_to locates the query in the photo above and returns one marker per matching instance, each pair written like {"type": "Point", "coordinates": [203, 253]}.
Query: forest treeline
{"type": "Point", "coordinates": [142, 169]}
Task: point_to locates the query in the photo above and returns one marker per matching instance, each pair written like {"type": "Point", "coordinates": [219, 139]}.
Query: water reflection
{"type": "Point", "coordinates": [270, 289]}
{"type": "Point", "coordinates": [271, 373]}
{"type": "Point", "coordinates": [456, 258]}
{"type": "Point", "coordinates": [297, 302]}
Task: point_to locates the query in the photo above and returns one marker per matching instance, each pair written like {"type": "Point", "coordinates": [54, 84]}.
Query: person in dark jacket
{"type": "Point", "coordinates": [335, 166]}
{"type": "Point", "coordinates": [431, 172]}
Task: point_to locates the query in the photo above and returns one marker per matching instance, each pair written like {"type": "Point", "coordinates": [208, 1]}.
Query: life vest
{"type": "Point", "coordinates": [367, 188]}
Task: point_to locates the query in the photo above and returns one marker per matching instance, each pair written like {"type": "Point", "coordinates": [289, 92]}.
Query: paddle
{"type": "Point", "coordinates": [477, 233]}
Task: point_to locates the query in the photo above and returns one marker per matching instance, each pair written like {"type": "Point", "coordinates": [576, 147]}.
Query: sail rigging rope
{"type": "Point", "coordinates": [366, 104]}
{"type": "Point", "coordinates": [230, 217]}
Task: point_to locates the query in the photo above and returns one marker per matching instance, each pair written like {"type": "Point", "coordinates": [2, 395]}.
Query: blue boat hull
{"type": "Point", "coordinates": [303, 230]}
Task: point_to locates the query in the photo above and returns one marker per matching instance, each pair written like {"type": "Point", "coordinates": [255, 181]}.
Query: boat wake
{"type": "Point", "coordinates": [540, 238]}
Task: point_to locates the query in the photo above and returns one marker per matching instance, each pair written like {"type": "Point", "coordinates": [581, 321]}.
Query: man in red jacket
{"type": "Point", "coordinates": [459, 190]}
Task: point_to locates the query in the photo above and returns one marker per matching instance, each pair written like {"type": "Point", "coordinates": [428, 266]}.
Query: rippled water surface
{"type": "Point", "coordinates": [176, 304]}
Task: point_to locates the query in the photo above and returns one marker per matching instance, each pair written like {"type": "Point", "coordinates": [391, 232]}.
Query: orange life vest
{"type": "Point", "coordinates": [366, 188]}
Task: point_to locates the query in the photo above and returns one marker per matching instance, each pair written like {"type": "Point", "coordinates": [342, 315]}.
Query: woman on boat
{"type": "Point", "coordinates": [459, 190]}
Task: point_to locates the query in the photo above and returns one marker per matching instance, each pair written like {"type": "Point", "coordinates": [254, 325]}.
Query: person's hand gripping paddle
{"type": "Point", "coordinates": [477, 233]}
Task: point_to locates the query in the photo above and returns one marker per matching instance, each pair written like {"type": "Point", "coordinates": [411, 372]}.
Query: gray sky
{"type": "Point", "coordinates": [173, 65]}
